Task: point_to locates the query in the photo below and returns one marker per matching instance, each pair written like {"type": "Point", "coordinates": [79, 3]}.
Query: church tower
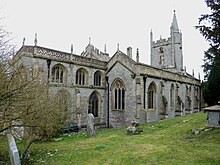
{"type": "Point", "coordinates": [167, 53]}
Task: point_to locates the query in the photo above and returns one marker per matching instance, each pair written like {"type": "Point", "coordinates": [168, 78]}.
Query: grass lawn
{"type": "Point", "coordinates": [168, 141]}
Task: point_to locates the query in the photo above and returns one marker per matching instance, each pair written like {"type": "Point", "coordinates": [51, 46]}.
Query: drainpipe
{"type": "Point", "coordinates": [106, 78]}
{"type": "Point", "coordinates": [48, 69]}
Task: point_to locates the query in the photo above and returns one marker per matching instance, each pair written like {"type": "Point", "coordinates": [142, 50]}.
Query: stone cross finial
{"type": "Point", "coordinates": [89, 40]}
{"type": "Point", "coordinates": [193, 72]}
{"type": "Point", "coordinates": [35, 40]}
{"type": "Point", "coordinates": [23, 42]}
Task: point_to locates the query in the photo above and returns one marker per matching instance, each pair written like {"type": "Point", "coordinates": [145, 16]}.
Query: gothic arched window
{"type": "Point", "coordinates": [172, 96]}
{"type": "Point", "coordinates": [81, 77]}
{"type": "Point", "coordinates": [188, 99]}
{"type": "Point", "coordinates": [94, 104]}
{"type": "Point", "coordinates": [58, 74]}
{"type": "Point", "coordinates": [196, 98]}
{"type": "Point", "coordinates": [97, 78]}
{"type": "Point", "coordinates": [118, 95]}
{"type": "Point", "coordinates": [151, 96]}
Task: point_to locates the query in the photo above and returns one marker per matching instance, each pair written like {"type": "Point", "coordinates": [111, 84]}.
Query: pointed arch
{"type": "Point", "coordinates": [196, 98]}
{"type": "Point", "coordinates": [188, 99]}
{"type": "Point", "coordinates": [94, 104]}
{"type": "Point", "coordinates": [97, 78]}
{"type": "Point", "coordinates": [152, 88]}
{"type": "Point", "coordinates": [118, 82]}
{"type": "Point", "coordinates": [118, 93]}
{"type": "Point", "coordinates": [172, 95]}
{"type": "Point", "coordinates": [58, 73]}
{"type": "Point", "coordinates": [81, 76]}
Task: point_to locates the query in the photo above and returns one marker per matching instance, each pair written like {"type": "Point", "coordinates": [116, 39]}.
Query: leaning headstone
{"type": "Point", "coordinates": [13, 151]}
{"type": "Point", "coordinates": [90, 125]}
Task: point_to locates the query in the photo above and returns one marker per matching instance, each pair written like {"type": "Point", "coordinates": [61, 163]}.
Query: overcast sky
{"type": "Point", "coordinates": [60, 23]}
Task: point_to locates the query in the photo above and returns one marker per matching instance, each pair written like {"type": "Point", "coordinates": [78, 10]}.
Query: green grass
{"type": "Point", "coordinates": [168, 141]}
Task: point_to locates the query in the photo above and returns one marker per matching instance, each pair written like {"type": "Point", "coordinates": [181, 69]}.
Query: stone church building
{"type": "Point", "coordinates": [118, 90]}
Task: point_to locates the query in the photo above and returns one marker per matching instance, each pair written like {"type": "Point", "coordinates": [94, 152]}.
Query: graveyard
{"type": "Point", "coordinates": [168, 141]}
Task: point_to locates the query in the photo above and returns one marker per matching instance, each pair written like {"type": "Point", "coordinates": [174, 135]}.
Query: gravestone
{"type": "Point", "coordinates": [90, 125]}
{"type": "Point", "coordinates": [13, 151]}
{"type": "Point", "coordinates": [213, 116]}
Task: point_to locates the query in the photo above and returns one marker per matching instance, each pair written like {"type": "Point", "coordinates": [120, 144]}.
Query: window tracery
{"type": "Point", "coordinates": [97, 78]}
{"type": "Point", "coordinates": [119, 95]}
{"type": "Point", "coordinates": [151, 96]}
{"type": "Point", "coordinates": [58, 74]}
{"type": "Point", "coordinates": [81, 77]}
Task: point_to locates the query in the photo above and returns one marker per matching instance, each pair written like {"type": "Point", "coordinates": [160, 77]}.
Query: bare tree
{"type": "Point", "coordinates": [25, 101]}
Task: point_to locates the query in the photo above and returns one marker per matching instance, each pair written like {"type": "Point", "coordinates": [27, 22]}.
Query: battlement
{"type": "Point", "coordinates": [161, 42]}
{"type": "Point", "coordinates": [91, 49]}
{"type": "Point", "coordinates": [95, 53]}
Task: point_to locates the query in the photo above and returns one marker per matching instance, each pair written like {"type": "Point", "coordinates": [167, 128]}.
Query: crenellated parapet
{"type": "Point", "coordinates": [95, 53]}
{"type": "Point", "coordinates": [162, 42]}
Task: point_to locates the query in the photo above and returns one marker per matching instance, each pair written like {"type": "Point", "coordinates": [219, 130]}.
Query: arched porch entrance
{"type": "Point", "coordinates": [94, 104]}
